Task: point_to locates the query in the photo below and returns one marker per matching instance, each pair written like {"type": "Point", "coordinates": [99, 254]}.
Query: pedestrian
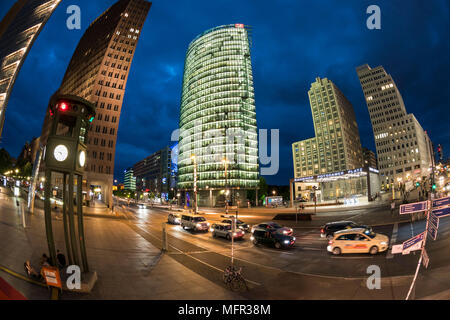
{"type": "Point", "coordinates": [45, 260]}
{"type": "Point", "coordinates": [30, 271]}
{"type": "Point", "coordinates": [61, 259]}
{"type": "Point", "coordinates": [392, 207]}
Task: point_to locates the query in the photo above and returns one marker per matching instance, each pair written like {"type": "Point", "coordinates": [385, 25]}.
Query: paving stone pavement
{"type": "Point", "coordinates": [128, 266]}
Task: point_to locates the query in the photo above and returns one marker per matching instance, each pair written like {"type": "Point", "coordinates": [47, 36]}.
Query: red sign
{"type": "Point", "coordinates": [239, 25]}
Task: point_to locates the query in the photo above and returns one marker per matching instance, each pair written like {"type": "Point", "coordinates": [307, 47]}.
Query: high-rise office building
{"type": "Point", "coordinates": [337, 145]}
{"type": "Point", "coordinates": [18, 31]}
{"type": "Point", "coordinates": [402, 149]}
{"type": "Point", "coordinates": [154, 173]}
{"type": "Point", "coordinates": [370, 158]}
{"type": "Point", "coordinates": [129, 180]}
{"type": "Point", "coordinates": [218, 117]}
{"type": "Point", "coordinates": [98, 72]}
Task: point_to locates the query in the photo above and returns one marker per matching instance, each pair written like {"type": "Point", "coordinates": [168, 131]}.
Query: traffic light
{"type": "Point", "coordinates": [63, 106]}
{"type": "Point", "coordinates": [417, 184]}
{"type": "Point", "coordinates": [439, 149]}
{"type": "Point", "coordinates": [434, 187]}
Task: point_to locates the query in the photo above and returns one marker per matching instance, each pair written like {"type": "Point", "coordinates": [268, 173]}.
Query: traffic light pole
{"type": "Point", "coordinates": [65, 221]}
{"type": "Point", "coordinates": [81, 223]}
{"type": "Point", "coordinates": [73, 238]}
{"type": "Point", "coordinates": [48, 217]}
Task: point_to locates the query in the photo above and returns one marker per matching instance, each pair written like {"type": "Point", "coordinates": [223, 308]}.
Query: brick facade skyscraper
{"type": "Point", "coordinates": [98, 72]}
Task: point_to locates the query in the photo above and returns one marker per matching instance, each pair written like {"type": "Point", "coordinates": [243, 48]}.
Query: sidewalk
{"type": "Point", "coordinates": [128, 266]}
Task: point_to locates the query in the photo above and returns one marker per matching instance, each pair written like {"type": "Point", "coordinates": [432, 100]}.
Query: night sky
{"type": "Point", "coordinates": [294, 41]}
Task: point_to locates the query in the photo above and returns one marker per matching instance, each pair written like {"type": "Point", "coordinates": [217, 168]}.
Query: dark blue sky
{"type": "Point", "coordinates": [294, 41]}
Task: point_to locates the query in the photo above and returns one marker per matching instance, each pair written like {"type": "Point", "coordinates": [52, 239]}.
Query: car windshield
{"type": "Point", "coordinates": [227, 227]}
{"type": "Point", "coordinates": [276, 226]}
{"type": "Point", "coordinates": [199, 219]}
{"type": "Point", "coordinates": [239, 222]}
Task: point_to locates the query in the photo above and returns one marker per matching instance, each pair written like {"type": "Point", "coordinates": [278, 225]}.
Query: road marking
{"type": "Point", "coordinates": [393, 240]}
{"type": "Point", "coordinates": [203, 262]}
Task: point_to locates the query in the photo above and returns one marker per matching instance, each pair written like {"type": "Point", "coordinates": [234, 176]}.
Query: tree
{"type": "Point", "coordinates": [5, 161]}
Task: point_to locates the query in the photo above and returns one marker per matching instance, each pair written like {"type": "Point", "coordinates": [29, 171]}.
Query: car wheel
{"type": "Point", "coordinates": [337, 251]}
{"type": "Point", "coordinates": [374, 250]}
{"type": "Point", "coordinates": [277, 245]}
{"type": "Point", "coordinates": [228, 237]}
{"type": "Point", "coordinates": [255, 242]}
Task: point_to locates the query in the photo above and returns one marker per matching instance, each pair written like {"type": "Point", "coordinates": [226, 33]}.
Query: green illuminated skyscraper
{"type": "Point", "coordinates": [218, 118]}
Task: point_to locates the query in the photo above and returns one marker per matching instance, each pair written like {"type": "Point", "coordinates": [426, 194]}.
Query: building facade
{"type": "Point", "coordinates": [129, 180]}
{"type": "Point", "coordinates": [154, 174]}
{"type": "Point", "coordinates": [98, 72]}
{"type": "Point", "coordinates": [218, 130]}
{"type": "Point", "coordinates": [402, 149]}
{"type": "Point", "coordinates": [18, 31]}
{"type": "Point", "coordinates": [337, 145]}
{"type": "Point", "coordinates": [370, 159]}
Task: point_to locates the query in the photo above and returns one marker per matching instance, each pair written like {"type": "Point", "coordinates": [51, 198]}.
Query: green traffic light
{"type": "Point", "coordinates": [434, 187]}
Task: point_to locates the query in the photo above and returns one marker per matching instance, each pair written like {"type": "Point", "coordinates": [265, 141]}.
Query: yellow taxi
{"type": "Point", "coordinates": [358, 240]}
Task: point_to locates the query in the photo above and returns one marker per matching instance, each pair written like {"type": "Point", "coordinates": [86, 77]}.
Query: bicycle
{"type": "Point", "coordinates": [234, 280]}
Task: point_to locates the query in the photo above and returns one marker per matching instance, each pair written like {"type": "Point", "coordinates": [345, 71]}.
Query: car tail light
{"type": "Point", "coordinates": [322, 230]}
{"type": "Point", "coordinates": [330, 242]}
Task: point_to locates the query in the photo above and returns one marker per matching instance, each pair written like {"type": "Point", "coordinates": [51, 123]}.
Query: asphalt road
{"type": "Point", "coordinates": [278, 274]}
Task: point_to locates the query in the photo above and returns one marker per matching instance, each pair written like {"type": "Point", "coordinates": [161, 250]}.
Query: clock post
{"type": "Point", "coordinates": [65, 153]}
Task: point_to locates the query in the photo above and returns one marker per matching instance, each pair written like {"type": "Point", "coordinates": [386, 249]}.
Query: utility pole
{"type": "Point", "coordinates": [194, 158]}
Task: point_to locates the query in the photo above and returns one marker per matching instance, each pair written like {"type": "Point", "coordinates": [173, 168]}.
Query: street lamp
{"type": "Point", "coordinates": [194, 158]}
{"type": "Point", "coordinates": [225, 163]}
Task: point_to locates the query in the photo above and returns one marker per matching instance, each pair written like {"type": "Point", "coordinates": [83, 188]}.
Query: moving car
{"type": "Point", "coordinates": [328, 230]}
{"type": "Point", "coordinates": [194, 222]}
{"type": "Point", "coordinates": [239, 224]}
{"type": "Point", "coordinates": [274, 238]}
{"type": "Point", "coordinates": [358, 240]}
{"type": "Point", "coordinates": [272, 226]}
{"type": "Point", "coordinates": [224, 230]}
{"type": "Point", "coordinates": [174, 218]}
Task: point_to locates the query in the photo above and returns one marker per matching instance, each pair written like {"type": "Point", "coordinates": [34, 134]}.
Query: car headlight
{"type": "Point", "coordinates": [286, 241]}
{"type": "Point", "coordinates": [208, 224]}
{"type": "Point", "coordinates": [293, 239]}
{"type": "Point", "coordinates": [198, 225]}
{"type": "Point", "coordinates": [252, 238]}
{"type": "Point", "coordinates": [383, 243]}
{"type": "Point", "coordinates": [211, 229]}
{"type": "Point", "coordinates": [234, 234]}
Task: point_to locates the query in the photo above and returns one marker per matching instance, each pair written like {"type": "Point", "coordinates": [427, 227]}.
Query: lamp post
{"type": "Point", "coordinates": [194, 158]}
{"type": "Point", "coordinates": [225, 162]}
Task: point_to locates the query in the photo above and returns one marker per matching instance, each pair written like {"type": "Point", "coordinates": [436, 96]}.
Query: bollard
{"type": "Point", "coordinates": [164, 237]}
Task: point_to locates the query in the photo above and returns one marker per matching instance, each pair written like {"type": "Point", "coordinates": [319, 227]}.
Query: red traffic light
{"type": "Point", "coordinates": [63, 106]}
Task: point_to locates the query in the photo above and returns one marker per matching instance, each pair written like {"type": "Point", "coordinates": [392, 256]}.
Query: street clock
{"type": "Point", "coordinates": [82, 158]}
{"type": "Point", "coordinates": [61, 153]}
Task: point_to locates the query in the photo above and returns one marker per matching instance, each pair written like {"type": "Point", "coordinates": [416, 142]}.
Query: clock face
{"type": "Point", "coordinates": [82, 158]}
{"type": "Point", "coordinates": [61, 153]}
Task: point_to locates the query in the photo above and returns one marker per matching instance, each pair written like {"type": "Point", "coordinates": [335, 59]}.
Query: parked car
{"type": "Point", "coordinates": [174, 218]}
{"type": "Point", "coordinates": [239, 224]}
{"type": "Point", "coordinates": [328, 230]}
{"type": "Point", "coordinates": [194, 222]}
{"type": "Point", "coordinates": [358, 240]}
{"type": "Point", "coordinates": [224, 230]}
{"type": "Point", "coordinates": [272, 226]}
{"type": "Point", "coordinates": [273, 238]}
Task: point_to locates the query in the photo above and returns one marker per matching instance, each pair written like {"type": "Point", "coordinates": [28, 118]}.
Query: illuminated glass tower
{"type": "Point", "coordinates": [18, 31]}
{"type": "Point", "coordinates": [218, 118]}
